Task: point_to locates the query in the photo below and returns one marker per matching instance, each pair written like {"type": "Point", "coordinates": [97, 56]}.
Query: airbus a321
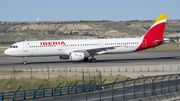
{"type": "Point", "coordinates": [83, 49]}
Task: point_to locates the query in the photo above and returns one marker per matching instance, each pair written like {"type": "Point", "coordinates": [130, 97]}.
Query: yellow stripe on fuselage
{"type": "Point", "coordinates": [161, 17]}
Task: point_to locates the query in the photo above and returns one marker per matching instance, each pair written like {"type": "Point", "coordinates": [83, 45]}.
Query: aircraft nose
{"type": "Point", "coordinates": [7, 52]}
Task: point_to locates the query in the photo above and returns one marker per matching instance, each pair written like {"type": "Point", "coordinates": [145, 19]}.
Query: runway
{"type": "Point", "coordinates": [146, 57]}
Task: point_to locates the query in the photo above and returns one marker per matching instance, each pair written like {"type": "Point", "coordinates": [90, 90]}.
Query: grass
{"type": "Point", "coordinates": [12, 84]}
{"type": "Point", "coordinates": [110, 79]}
{"type": "Point", "coordinates": [170, 47]}
{"type": "Point", "coordinates": [10, 72]}
{"type": "Point", "coordinates": [3, 48]}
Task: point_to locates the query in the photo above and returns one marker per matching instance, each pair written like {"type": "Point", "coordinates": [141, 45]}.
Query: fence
{"type": "Point", "coordinates": [45, 92]}
{"type": "Point", "coordinates": [86, 75]}
{"type": "Point", "coordinates": [90, 73]}
{"type": "Point", "coordinates": [143, 87]}
{"type": "Point", "coordinates": [127, 89]}
{"type": "Point", "coordinates": [124, 69]}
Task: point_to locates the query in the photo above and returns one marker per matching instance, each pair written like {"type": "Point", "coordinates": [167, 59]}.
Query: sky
{"type": "Point", "coordinates": [70, 10]}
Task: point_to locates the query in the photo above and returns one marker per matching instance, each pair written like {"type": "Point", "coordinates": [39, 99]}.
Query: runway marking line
{"type": "Point", "coordinates": [83, 65]}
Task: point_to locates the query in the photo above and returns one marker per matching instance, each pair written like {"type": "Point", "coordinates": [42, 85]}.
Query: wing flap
{"type": "Point", "coordinates": [94, 50]}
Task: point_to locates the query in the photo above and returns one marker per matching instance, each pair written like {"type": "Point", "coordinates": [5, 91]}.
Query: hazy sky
{"type": "Point", "coordinates": [65, 10]}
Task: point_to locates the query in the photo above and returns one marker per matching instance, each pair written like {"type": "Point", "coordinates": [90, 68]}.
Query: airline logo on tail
{"type": "Point", "coordinates": [154, 36]}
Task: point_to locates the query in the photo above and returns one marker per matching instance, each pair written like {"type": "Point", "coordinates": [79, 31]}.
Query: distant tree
{"type": "Point", "coordinates": [71, 33]}
{"type": "Point", "coordinates": [178, 31]}
{"type": "Point", "coordinates": [87, 34]}
{"type": "Point", "coordinates": [101, 37]}
{"type": "Point", "coordinates": [60, 33]}
{"type": "Point", "coordinates": [7, 42]}
{"type": "Point", "coordinates": [75, 33]}
{"type": "Point", "coordinates": [51, 32]}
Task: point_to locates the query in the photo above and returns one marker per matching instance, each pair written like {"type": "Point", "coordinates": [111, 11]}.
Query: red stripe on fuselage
{"type": "Point", "coordinates": [155, 33]}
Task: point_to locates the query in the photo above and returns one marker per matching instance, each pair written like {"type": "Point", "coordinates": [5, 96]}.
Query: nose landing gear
{"type": "Point", "coordinates": [24, 62]}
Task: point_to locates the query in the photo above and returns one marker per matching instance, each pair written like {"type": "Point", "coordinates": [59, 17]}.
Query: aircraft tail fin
{"type": "Point", "coordinates": [157, 29]}
{"type": "Point", "coordinates": [154, 35]}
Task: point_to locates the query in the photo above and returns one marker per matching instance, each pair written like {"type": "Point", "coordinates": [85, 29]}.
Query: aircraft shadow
{"type": "Point", "coordinates": [98, 61]}
{"type": "Point", "coordinates": [140, 59]}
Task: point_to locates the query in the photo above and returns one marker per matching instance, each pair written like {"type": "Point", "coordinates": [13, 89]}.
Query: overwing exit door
{"type": "Point", "coordinates": [59, 47]}
{"type": "Point", "coordinates": [25, 47]}
{"type": "Point", "coordinates": [100, 44]}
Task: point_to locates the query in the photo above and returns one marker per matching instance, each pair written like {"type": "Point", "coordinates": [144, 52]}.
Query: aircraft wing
{"type": "Point", "coordinates": [94, 50]}
{"type": "Point", "coordinates": [99, 50]}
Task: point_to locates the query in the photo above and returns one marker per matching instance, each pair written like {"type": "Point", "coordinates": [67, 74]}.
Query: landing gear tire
{"type": "Point", "coordinates": [25, 58]}
{"type": "Point", "coordinates": [93, 60]}
{"type": "Point", "coordinates": [24, 62]}
{"type": "Point", "coordinates": [85, 59]}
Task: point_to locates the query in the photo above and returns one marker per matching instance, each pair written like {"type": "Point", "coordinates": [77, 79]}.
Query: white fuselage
{"type": "Point", "coordinates": [52, 48]}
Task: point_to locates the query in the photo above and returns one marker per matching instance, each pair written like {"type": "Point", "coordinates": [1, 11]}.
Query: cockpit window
{"type": "Point", "coordinates": [14, 47]}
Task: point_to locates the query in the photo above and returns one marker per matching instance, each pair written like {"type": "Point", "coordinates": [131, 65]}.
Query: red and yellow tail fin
{"type": "Point", "coordinates": [154, 36]}
{"type": "Point", "coordinates": [157, 29]}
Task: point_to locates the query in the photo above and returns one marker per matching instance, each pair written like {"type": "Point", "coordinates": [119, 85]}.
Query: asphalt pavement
{"type": "Point", "coordinates": [141, 58]}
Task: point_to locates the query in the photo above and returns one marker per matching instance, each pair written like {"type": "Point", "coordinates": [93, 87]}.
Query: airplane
{"type": "Point", "coordinates": [83, 49]}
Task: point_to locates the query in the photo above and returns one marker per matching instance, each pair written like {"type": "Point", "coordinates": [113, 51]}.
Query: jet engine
{"type": "Point", "coordinates": [76, 56]}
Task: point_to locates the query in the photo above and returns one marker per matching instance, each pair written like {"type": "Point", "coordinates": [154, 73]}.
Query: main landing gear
{"type": "Point", "coordinates": [24, 62]}
{"type": "Point", "coordinates": [85, 59]}
{"type": "Point", "coordinates": [93, 60]}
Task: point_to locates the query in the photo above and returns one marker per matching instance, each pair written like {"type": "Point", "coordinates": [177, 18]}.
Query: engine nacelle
{"type": "Point", "coordinates": [64, 57]}
{"type": "Point", "coordinates": [76, 56]}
